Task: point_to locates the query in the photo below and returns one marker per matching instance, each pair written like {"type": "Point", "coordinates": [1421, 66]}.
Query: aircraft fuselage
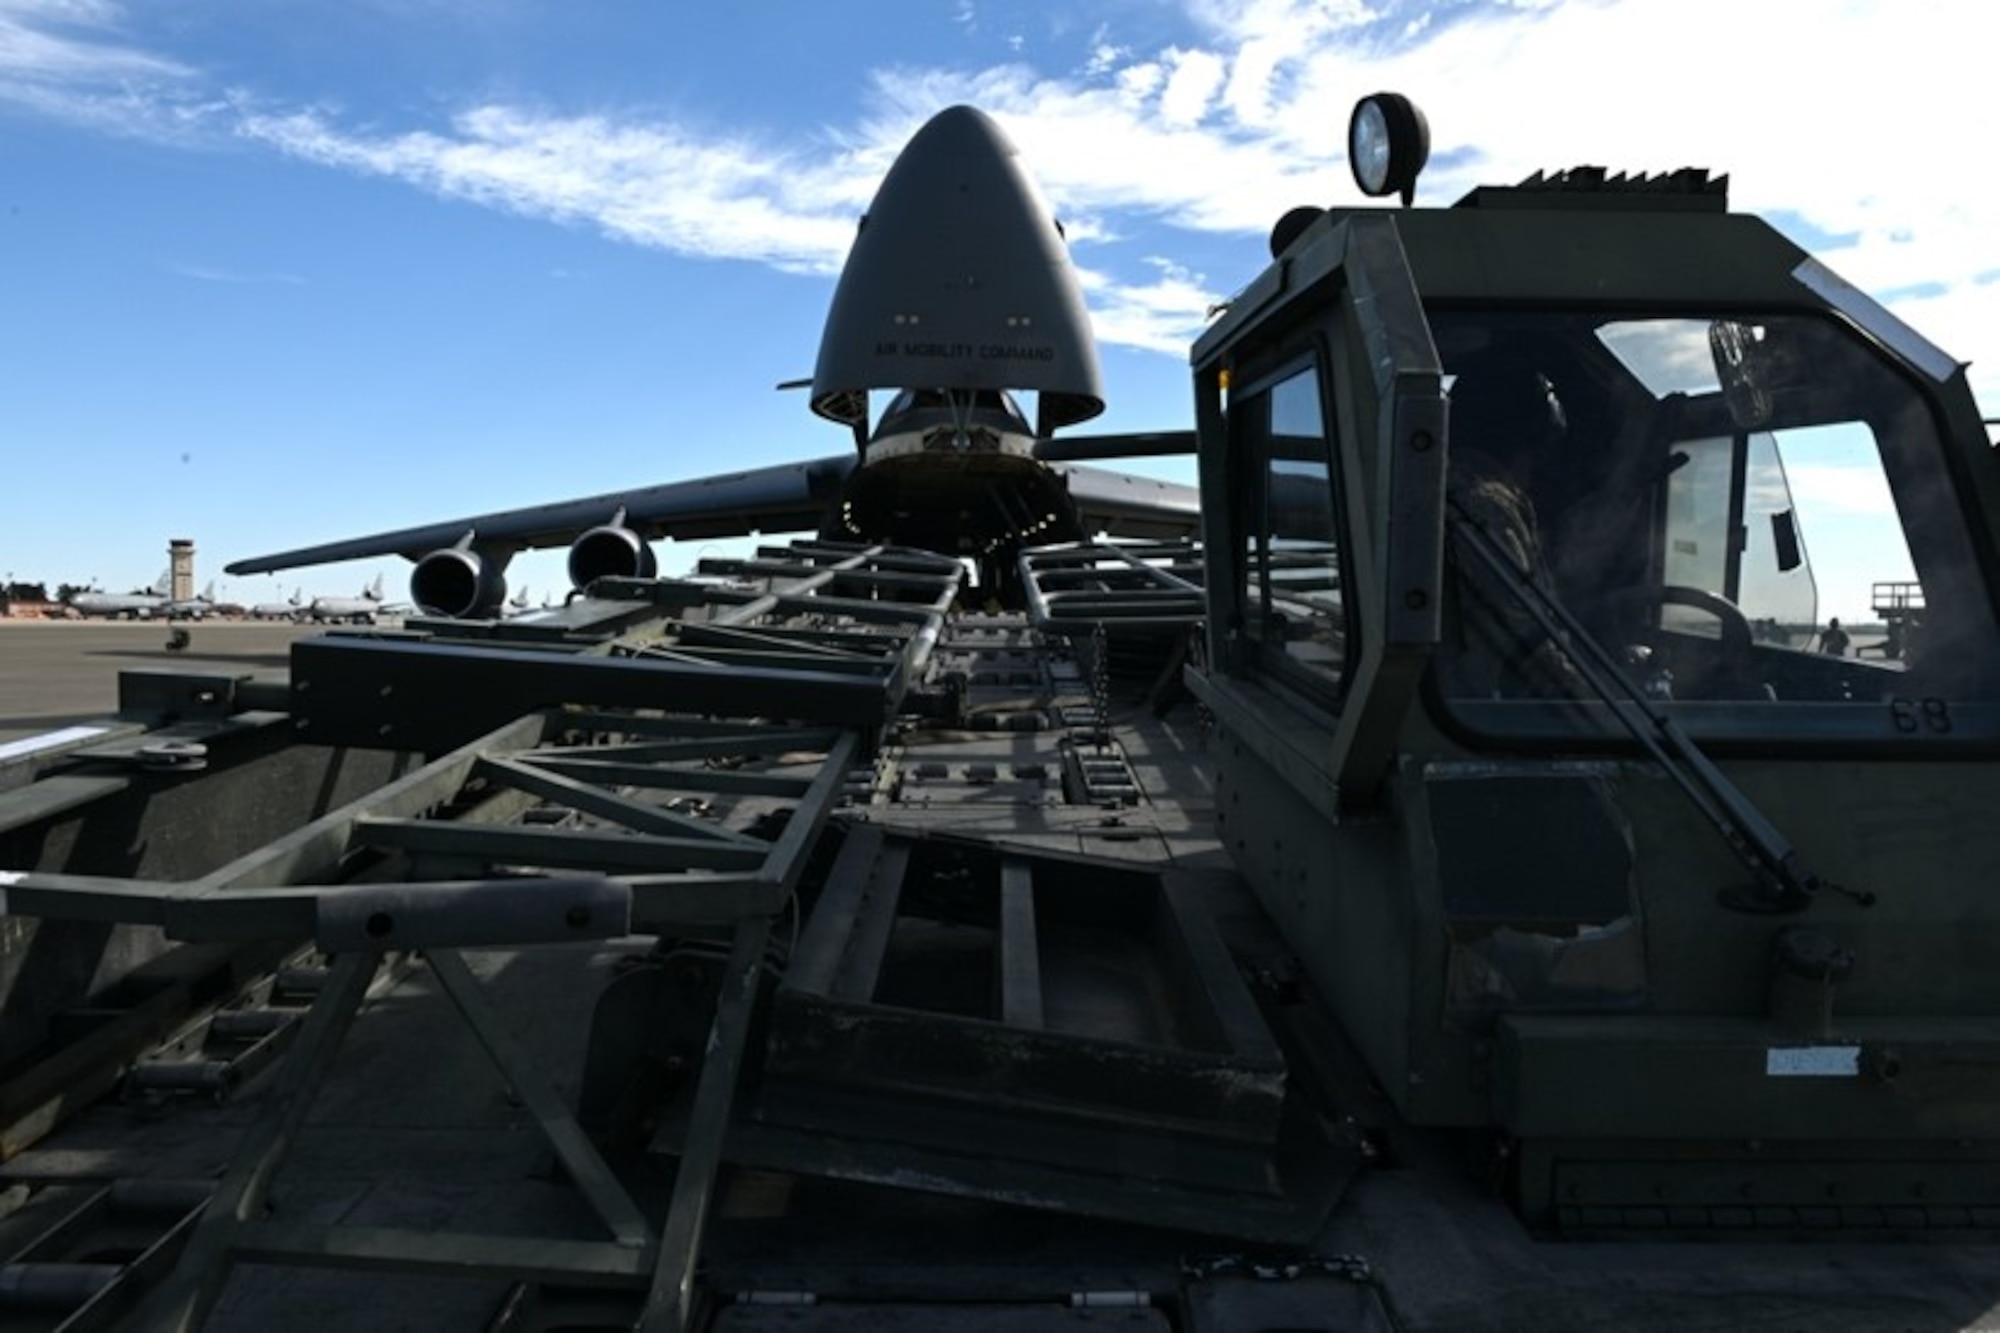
{"type": "Point", "coordinates": [955, 471]}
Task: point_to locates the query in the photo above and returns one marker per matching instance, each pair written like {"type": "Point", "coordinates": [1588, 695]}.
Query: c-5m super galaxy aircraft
{"type": "Point", "coordinates": [957, 294]}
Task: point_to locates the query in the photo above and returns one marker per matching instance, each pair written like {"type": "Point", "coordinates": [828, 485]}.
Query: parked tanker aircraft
{"type": "Point", "coordinates": [294, 609]}
{"type": "Point", "coordinates": [125, 605]}
{"type": "Point", "coordinates": [360, 610]}
{"type": "Point", "coordinates": [191, 608]}
{"type": "Point", "coordinates": [957, 295]}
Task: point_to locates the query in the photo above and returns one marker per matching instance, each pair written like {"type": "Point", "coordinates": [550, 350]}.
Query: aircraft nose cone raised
{"type": "Point", "coordinates": [957, 132]}
{"type": "Point", "coordinates": [959, 279]}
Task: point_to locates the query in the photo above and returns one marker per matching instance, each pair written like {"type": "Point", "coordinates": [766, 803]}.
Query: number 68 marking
{"type": "Point", "coordinates": [1912, 716]}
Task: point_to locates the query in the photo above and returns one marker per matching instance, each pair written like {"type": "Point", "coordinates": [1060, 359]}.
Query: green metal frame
{"type": "Point", "coordinates": [621, 861]}
{"type": "Point", "coordinates": [1074, 586]}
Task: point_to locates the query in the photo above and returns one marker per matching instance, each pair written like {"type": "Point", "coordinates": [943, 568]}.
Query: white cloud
{"type": "Point", "coordinates": [1190, 86]}
{"type": "Point", "coordinates": [650, 184]}
{"type": "Point", "coordinates": [65, 60]}
{"type": "Point", "coordinates": [1094, 150]}
{"type": "Point", "coordinates": [49, 45]}
{"type": "Point", "coordinates": [1138, 83]}
{"type": "Point", "coordinates": [1163, 314]}
{"type": "Point", "coordinates": [1272, 41]}
{"type": "Point", "coordinates": [1219, 131]}
{"type": "Point", "coordinates": [1802, 106]}
{"type": "Point", "coordinates": [1105, 57]}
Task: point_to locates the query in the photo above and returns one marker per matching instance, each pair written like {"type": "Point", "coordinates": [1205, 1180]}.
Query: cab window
{"type": "Point", "coordinates": [1753, 511]}
{"type": "Point", "coordinates": [1293, 613]}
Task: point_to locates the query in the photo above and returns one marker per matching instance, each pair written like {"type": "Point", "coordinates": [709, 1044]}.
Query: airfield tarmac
{"type": "Point", "coordinates": [58, 673]}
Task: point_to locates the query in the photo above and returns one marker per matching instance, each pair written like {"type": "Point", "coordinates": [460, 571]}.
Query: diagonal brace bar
{"type": "Point", "coordinates": [585, 1166]}
{"type": "Point", "coordinates": [670, 1302]}
{"type": "Point", "coordinates": [593, 800]}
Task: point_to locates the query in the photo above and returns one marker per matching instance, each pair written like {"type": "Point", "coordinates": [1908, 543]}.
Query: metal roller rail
{"type": "Point", "coordinates": [684, 799]}
{"type": "Point", "coordinates": [1074, 587]}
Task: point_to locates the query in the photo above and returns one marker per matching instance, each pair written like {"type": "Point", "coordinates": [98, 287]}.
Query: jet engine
{"type": "Point", "coordinates": [460, 583]}
{"type": "Point", "coordinates": [610, 551]}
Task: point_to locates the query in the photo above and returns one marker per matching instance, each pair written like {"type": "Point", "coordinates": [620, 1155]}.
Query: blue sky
{"type": "Point", "coordinates": [282, 271]}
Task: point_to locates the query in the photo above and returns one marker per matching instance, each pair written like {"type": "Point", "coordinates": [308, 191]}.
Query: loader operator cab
{"type": "Point", "coordinates": [1525, 521]}
{"type": "Point", "coordinates": [1677, 488]}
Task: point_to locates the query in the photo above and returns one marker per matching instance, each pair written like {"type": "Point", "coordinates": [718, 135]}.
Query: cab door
{"type": "Point", "coordinates": [1321, 413]}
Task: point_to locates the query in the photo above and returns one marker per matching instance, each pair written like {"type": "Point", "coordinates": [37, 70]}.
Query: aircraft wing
{"type": "Point", "coordinates": [788, 498]}
{"type": "Point", "coordinates": [1095, 448]}
{"type": "Point", "coordinates": [1123, 505]}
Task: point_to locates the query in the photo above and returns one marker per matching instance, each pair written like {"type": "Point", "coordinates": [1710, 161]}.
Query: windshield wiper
{"type": "Point", "coordinates": [1782, 882]}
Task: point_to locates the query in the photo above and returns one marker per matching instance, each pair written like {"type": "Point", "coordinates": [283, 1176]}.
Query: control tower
{"type": "Point", "coordinates": [180, 566]}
